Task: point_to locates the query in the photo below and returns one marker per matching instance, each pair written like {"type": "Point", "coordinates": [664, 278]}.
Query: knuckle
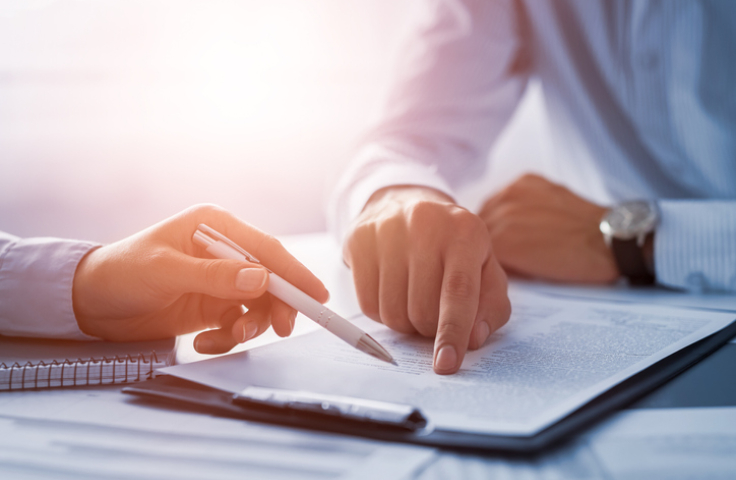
{"type": "Point", "coordinates": [426, 329]}
{"type": "Point", "coordinates": [423, 320]}
{"type": "Point", "coordinates": [505, 195]}
{"type": "Point", "coordinates": [371, 313]}
{"type": "Point", "coordinates": [423, 213]}
{"type": "Point", "coordinates": [427, 224]}
{"type": "Point", "coordinates": [292, 265]}
{"type": "Point", "coordinates": [357, 243]}
{"type": "Point", "coordinates": [507, 311]}
{"type": "Point", "coordinates": [503, 314]}
{"type": "Point", "coordinates": [212, 272]}
{"type": "Point", "coordinates": [505, 229]}
{"type": "Point", "coordinates": [521, 186]}
{"type": "Point", "coordinates": [499, 233]}
{"type": "Point", "coordinates": [452, 329]}
{"type": "Point", "coordinates": [206, 210]}
{"type": "Point", "coordinates": [361, 232]}
{"type": "Point", "coordinates": [417, 313]}
{"type": "Point", "coordinates": [391, 228]}
{"type": "Point", "coordinates": [268, 243]}
{"type": "Point", "coordinates": [500, 310]}
{"type": "Point", "coordinates": [369, 307]}
{"type": "Point", "coordinates": [508, 210]}
{"type": "Point", "coordinates": [157, 258]}
{"type": "Point", "coordinates": [468, 226]}
{"type": "Point", "coordinates": [529, 178]}
{"type": "Point", "coordinates": [459, 285]}
{"type": "Point", "coordinates": [395, 317]}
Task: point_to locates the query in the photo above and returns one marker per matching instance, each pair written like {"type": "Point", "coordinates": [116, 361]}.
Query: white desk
{"type": "Point", "coordinates": [99, 433]}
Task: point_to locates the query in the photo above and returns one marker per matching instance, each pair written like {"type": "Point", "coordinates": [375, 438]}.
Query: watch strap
{"type": "Point", "coordinates": [630, 261]}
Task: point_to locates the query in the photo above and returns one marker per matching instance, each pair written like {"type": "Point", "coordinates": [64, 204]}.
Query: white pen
{"type": "Point", "coordinates": [218, 245]}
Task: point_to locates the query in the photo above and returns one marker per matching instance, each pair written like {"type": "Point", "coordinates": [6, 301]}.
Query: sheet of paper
{"type": "Point", "coordinates": [635, 444]}
{"type": "Point", "coordinates": [572, 462]}
{"type": "Point", "coordinates": [101, 433]}
{"type": "Point", "coordinates": [552, 357]}
{"type": "Point", "coordinates": [668, 443]}
{"type": "Point", "coordinates": [621, 292]}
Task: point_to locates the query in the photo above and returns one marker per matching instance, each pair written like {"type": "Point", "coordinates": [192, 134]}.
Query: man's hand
{"type": "Point", "coordinates": [423, 264]}
{"type": "Point", "coordinates": [543, 230]}
{"type": "Point", "coordinates": [158, 284]}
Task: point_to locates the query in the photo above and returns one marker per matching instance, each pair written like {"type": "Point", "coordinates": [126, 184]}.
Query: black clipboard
{"type": "Point", "coordinates": [414, 428]}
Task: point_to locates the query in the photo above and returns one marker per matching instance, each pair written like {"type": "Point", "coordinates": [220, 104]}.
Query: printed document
{"type": "Point", "coordinates": [71, 434]}
{"type": "Point", "coordinates": [553, 356]}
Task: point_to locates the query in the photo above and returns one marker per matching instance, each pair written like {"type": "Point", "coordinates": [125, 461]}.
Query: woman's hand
{"type": "Point", "coordinates": [158, 283]}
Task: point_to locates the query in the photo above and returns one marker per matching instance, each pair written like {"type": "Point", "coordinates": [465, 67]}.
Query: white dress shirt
{"type": "Point", "coordinates": [642, 90]}
{"type": "Point", "coordinates": [36, 277]}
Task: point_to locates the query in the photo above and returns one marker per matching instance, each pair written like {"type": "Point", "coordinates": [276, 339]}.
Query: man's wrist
{"type": "Point", "coordinates": [628, 229]}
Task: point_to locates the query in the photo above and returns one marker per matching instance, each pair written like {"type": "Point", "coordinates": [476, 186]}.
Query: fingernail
{"type": "Point", "coordinates": [250, 279]}
{"type": "Point", "coordinates": [446, 359]}
{"type": "Point", "coordinates": [481, 333]}
{"type": "Point", "coordinates": [249, 331]}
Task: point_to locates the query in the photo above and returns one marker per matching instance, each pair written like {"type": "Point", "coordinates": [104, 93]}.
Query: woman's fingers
{"type": "Point", "coordinates": [235, 327]}
{"type": "Point", "coordinates": [213, 342]}
{"type": "Point", "coordinates": [282, 317]}
{"type": "Point", "coordinates": [266, 248]}
{"type": "Point", "coordinates": [227, 279]}
{"type": "Point", "coordinates": [219, 339]}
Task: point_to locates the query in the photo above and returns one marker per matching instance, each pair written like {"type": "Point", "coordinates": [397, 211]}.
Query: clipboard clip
{"type": "Point", "coordinates": [404, 417]}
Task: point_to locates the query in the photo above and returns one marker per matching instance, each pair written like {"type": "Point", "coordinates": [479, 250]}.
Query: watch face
{"type": "Point", "coordinates": [629, 220]}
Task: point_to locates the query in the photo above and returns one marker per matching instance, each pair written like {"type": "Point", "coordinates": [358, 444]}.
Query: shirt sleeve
{"type": "Point", "coordinates": [459, 82]}
{"type": "Point", "coordinates": [695, 245]}
{"type": "Point", "coordinates": [36, 276]}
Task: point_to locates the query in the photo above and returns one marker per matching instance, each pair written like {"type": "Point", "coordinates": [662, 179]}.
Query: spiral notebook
{"type": "Point", "coordinates": [27, 363]}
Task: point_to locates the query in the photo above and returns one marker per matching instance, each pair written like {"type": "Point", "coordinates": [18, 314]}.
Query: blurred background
{"type": "Point", "coordinates": [115, 114]}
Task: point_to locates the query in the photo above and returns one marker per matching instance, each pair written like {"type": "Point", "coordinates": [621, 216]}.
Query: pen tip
{"type": "Point", "coordinates": [374, 349]}
{"type": "Point", "coordinates": [386, 357]}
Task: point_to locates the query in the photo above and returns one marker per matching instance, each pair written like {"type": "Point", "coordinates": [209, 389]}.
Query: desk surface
{"type": "Point", "coordinates": [665, 434]}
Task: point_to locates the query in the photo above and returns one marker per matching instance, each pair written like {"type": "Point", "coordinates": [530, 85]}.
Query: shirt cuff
{"type": "Point", "coordinates": [695, 245]}
{"type": "Point", "coordinates": [378, 168]}
{"type": "Point", "coordinates": [36, 278]}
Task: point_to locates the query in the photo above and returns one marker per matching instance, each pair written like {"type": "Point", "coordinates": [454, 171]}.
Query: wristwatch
{"type": "Point", "coordinates": [625, 229]}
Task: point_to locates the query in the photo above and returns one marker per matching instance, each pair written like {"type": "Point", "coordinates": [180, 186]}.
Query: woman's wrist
{"type": "Point", "coordinates": [83, 293]}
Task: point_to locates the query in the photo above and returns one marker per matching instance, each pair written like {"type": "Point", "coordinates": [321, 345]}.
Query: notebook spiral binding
{"type": "Point", "coordinates": [91, 371]}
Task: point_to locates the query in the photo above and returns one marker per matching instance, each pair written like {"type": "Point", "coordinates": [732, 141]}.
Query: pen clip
{"type": "Point", "coordinates": [207, 230]}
